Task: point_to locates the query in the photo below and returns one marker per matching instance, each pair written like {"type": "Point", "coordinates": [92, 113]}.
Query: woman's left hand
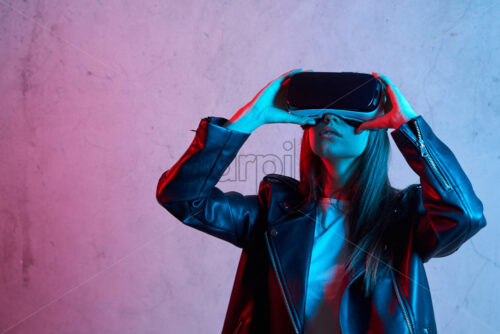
{"type": "Point", "coordinates": [397, 109]}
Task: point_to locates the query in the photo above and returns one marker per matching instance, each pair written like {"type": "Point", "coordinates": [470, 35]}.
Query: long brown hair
{"type": "Point", "coordinates": [371, 197]}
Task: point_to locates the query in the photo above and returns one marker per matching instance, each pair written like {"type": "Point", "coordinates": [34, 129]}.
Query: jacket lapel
{"type": "Point", "coordinates": [292, 236]}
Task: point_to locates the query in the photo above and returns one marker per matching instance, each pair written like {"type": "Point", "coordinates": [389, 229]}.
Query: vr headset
{"type": "Point", "coordinates": [355, 97]}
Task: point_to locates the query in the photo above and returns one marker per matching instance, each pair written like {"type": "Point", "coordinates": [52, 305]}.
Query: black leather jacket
{"type": "Point", "coordinates": [268, 296]}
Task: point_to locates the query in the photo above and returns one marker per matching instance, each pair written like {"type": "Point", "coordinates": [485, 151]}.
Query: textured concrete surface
{"type": "Point", "coordinates": [97, 99]}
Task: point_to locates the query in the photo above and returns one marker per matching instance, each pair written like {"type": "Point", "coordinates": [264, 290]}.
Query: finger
{"type": "Point", "coordinates": [393, 94]}
{"type": "Point", "coordinates": [376, 75]}
{"type": "Point", "coordinates": [385, 80]}
{"type": "Point", "coordinates": [384, 83]}
{"type": "Point", "coordinates": [382, 122]}
{"type": "Point", "coordinates": [303, 120]}
{"type": "Point", "coordinates": [274, 84]}
{"type": "Point", "coordinates": [286, 76]}
{"type": "Point", "coordinates": [392, 90]}
{"type": "Point", "coordinates": [389, 83]}
{"type": "Point", "coordinates": [361, 127]}
{"type": "Point", "coordinates": [284, 80]}
{"type": "Point", "coordinates": [283, 76]}
{"type": "Point", "coordinates": [291, 72]}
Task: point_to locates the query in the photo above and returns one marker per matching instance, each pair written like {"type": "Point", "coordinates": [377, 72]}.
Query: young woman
{"type": "Point", "coordinates": [340, 251]}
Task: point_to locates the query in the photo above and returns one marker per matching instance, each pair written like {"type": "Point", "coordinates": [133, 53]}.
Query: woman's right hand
{"type": "Point", "coordinates": [268, 106]}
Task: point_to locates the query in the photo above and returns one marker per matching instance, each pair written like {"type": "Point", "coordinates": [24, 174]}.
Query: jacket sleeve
{"type": "Point", "coordinates": [447, 210]}
{"type": "Point", "coordinates": [187, 190]}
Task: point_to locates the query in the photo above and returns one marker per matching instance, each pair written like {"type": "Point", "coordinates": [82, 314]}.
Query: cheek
{"type": "Point", "coordinates": [359, 141]}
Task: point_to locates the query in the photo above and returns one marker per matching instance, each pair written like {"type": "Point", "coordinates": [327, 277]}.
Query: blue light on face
{"type": "Point", "coordinates": [348, 121]}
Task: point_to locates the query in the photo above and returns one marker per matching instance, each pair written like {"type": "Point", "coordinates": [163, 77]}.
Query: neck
{"type": "Point", "coordinates": [333, 176]}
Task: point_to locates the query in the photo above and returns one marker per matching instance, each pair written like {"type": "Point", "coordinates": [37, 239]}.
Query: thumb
{"type": "Point", "coordinates": [306, 120]}
{"type": "Point", "coordinates": [361, 127]}
{"type": "Point", "coordinates": [302, 120]}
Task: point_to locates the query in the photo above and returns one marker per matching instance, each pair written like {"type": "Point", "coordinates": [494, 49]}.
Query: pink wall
{"type": "Point", "coordinates": [97, 99]}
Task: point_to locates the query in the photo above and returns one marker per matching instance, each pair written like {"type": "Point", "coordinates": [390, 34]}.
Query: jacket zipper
{"type": "Point", "coordinates": [425, 153]}
{"type": "Point", "coordinates": [403, 307]}
{"type": "Point", "coordinates": [271, 253]}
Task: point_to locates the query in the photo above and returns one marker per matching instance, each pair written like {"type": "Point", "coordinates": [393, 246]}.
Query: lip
{"type": "Point", "coordinates": [334, 132]}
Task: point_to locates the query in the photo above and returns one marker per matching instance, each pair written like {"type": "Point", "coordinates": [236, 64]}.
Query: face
{"type": "Point", "coordinates": [332, 147]}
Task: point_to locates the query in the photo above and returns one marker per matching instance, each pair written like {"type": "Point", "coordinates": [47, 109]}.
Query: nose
{"type": "Point", "coordinates": [327, 118]}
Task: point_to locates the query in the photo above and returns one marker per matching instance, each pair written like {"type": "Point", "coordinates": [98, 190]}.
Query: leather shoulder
{"type": "Point", "coordinates": [283, 180]}
{"type": "Point", "coordinates": [279, 190]}
{"type": "Point", "coordinates": [410, 201]}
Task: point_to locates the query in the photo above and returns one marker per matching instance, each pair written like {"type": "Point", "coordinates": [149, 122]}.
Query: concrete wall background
{"type": "Point", "coordinates": [97, 99]}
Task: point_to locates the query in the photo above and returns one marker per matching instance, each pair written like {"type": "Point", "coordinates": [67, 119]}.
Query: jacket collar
{"type": "Point", "coordinates": [307, 213]}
